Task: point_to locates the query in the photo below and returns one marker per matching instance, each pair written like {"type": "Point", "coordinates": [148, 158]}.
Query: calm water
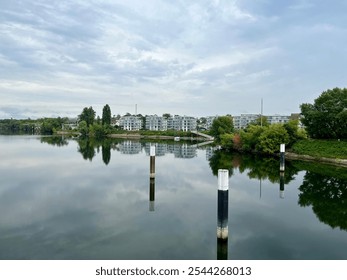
{"type": "Point", "coordinates": [64, 199]}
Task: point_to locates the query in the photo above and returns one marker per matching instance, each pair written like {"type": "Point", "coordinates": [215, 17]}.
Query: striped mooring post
{"type": "Point", "coordinates": [152, 162]}
{"type": "Point", "coordinates": [222, 214]}
{"type": "Point", "coordinates": [282, 157]}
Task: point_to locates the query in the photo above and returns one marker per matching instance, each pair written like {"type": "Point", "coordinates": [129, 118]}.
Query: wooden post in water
{"type": "Point", "coordinates": [222, 214]}
{"type": "Point", "coordinates": [152, 162]}
{"type": "Point", "coordinates": [282, 157]}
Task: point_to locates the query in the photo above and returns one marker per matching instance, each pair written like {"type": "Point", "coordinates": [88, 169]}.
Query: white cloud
{"type": "Point", "coordinates": [88, 53]}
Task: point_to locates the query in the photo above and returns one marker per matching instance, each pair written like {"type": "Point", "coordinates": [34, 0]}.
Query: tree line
{"type": "Point", "coordinates": [326, 118]}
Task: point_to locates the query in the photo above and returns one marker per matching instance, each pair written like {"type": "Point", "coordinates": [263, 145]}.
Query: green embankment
{"type": "Point", "coordinates": [321, 148]}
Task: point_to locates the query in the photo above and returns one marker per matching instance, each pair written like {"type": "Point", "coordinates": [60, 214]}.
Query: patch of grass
{"type": "Point", "coordinates": [321, 148]}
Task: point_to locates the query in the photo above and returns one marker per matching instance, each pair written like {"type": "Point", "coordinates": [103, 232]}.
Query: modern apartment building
{"type": "Point", "coordinates": [277, 119]}
{"type": "Point", "coordinates": [157, 123]}
{"type": "Point", "coordinates": [244, 120]}
{"type": "Point", "coordinates": [183, 123]}
{"type": "Point", "coordinates": [130, 122]}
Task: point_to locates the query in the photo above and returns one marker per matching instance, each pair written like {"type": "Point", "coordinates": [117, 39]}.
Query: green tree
{"type": "Point", "coordinates": [327, 117]}
{"type": "Point", "coordinates": [222, 125]}
{"type": "Point", "coordinates": [97, 130]}
{"type": "Point", "coordinates": [50, 125]}
{"type": "Point", "coordinates": [166, 115]}
{"type": "Point", "coordinates": [262, 121]}
{"type": "Point", "coordinates": [83, 128]}
{"type": "Point", "coordinates": [250, 137]}
{"type": "Point", "coordinates": [87, 115]}
{"type": "Point", "coordinates": [106, 115]}
{"type": "Point", "coordinates": [271, 139]}
{"type": "Point", "coordinates": [294, 132]}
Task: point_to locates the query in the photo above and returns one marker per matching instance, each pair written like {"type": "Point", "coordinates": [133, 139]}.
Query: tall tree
{"type": "Point", "coordinates": [222, 125]}
{"type": "Point", "coordinates": [106, 115]}
{"type": "Point", "coordinates": [327, 117]}
{"type": "Point", "coordinates": [87, 115]}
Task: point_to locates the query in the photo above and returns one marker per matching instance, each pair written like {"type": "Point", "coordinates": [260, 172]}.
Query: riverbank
{"type": "Point", "coordinates": [137, 136]}
{"type": "Point", "coordinates": [324, 151]}
{"type": "Point", "coordinates": [334, 161]}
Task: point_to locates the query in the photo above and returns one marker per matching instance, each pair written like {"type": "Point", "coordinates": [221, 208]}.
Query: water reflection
{"type": "Point", "coordinates": [326, 191]}
{"type": "Point", "coordinates": [55, 141]}
{"type": "Point", "coordinates": [151, 194]}
{"type": "Point", "coordinates": [323, 187]}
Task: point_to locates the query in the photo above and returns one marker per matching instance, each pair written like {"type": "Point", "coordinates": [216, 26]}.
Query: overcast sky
{"type": "Point", "coordinates": [197, 58]}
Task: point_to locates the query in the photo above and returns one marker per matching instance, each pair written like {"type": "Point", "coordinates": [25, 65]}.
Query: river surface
{"type": "Point", "coordinates": [77, 199]}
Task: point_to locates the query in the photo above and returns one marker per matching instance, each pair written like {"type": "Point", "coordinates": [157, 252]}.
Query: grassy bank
{"type": "Point", "coordinates": [321, 148]}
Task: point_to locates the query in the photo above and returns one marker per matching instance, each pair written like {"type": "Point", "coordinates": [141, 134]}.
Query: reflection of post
{"type": "Point", "coordinates": [151, 178]}
{"type": "Point", "coordinates": [222, 223]}
{"type": "Point", "coordinates": [151, 194]}
{"type": "Point", "coordinates": [282, 159]}
{"type": "Point", "coordinates": [281, 184]}
{"type": "Point", "coordinates": [152, 162]}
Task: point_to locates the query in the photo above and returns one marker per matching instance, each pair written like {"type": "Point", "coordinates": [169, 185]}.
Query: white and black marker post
{"type": "Point", "coordinates": [151, 178]}
{"type": "Point", "coordinates": [152, 162]}
{"type": "Point", "coordinates": [222, 214]}
{"type": "Point", "coordinates": [282, 157]}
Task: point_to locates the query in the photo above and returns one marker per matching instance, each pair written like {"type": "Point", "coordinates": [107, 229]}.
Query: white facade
{"type": "Point", "coordinates": [184, 123]}
{"type": "Point", "coordinates": [244, 120]}
{"type": "Point", "coordinates": [278, 119]}
{"type": "Point", "coordinates": [156, 123]}
{"type": "Point", "coordinates": [130, 122]}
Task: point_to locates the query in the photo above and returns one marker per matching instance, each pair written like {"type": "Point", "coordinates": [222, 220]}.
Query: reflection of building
{"type": "Point", "coordinates": [185, 151]}
{"type": "Point", "coordinates": [130, 147]}
{"type": "Point", "coordinates": [209, 152]}
{"type": "Point", "coordinates": [179, 150]}
{"type": "Point", "coordinates": [160, 148]}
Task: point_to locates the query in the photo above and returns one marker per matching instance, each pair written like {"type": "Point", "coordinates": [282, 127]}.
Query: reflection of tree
{"type": "Point", "coordinates": [266, 168]}
{"type": "Point", "coordinates": [86, 148]}
{"type": "Point", "coordinates": [221, 160]}
{"type": "Point", "coordinates": [55, 141]}
{"type": "Point", "coordinates": [106, 151]}
{"type": "Point", "coordinates": [328, 196]}
{"type": "Point", "coordinates": [257, 167]}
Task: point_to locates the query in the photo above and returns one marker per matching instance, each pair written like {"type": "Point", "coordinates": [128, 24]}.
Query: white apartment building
{"type": "Point", "coordinates": [130, 122]}
{"type": "Point", "coordinates": [277, 119]}
{"type": "Point", "coordinates": [156, 123]}
{"type": "Point", "coordinates": [244, 120]}
{"type": "Point", "coordinates": [183, 123]}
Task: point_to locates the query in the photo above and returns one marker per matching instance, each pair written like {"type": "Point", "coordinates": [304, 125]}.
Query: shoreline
{"type": "Point", "coordinates": [333, 161]}
{"type": "Point", "coordinates": [288, 155]}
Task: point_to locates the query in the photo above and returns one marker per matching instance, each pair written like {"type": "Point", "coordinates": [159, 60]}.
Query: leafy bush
{"type": "Point", "coordinates": [271, 139]}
